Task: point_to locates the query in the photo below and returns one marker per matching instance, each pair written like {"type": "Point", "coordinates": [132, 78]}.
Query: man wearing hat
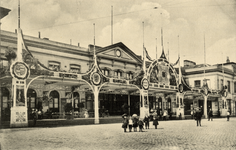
{"type": "Point", "coordinates": [198, 116]}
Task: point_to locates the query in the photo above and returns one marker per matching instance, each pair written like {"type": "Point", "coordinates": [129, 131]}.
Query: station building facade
{"type": "Point", "coordinates": [55, 68]}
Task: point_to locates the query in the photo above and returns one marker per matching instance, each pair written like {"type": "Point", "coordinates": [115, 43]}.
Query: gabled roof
{"type": "Point", "coordinates": [126, 53]}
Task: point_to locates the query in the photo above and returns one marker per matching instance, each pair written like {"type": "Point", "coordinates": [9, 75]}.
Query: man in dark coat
{"type": "Point", "coordinates": [125, 123]}
{"type": "Point", "coordinates": [146, 121]}
{"type": "Point", "coordinates": [155, 122]}
{"type": "Point", "coordinates": [198, 117]}
{"type": "Point", "coordinates": [210, 115]}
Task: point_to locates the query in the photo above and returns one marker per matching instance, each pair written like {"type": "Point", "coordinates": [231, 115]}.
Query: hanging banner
{"type": "Point", "coordinates": [20, 98]}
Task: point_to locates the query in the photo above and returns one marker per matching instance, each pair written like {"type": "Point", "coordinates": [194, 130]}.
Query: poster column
{"type": "Point", "coordinates": [144, 104]}
{"type": "Point", "coordinates": [19, 114]}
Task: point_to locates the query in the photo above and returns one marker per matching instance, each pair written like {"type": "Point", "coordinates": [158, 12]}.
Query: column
{"type": "Point", "coordinates": [205, 106]}
{"type": "Point", "coordinates": [129, 102]}
{"type": "Point", "coordinates": [96, 113]}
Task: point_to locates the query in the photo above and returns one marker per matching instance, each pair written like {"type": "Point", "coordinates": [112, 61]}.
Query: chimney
{"type": "Point", "coordinates": [78, 45]}
{"type": "Point", "coordinates": [227, 61]}
{"type": "Point", "coordinates": [15, 30]}
{"type": "Point", "coordinates": [39, 35]}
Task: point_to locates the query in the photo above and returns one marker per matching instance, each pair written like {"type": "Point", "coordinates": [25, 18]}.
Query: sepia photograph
{"type": "Point", "coordinates": [117, 74]}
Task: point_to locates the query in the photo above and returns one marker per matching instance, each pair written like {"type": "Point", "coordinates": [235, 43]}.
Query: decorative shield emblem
{"type": "Point", "coordinates": [20, 70]}
{"type": "Point", "coordinates": [96, 78]}
{"type": "Point", "coordinates": [181, 88]}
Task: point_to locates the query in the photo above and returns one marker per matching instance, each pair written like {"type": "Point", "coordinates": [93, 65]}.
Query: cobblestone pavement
{"type": "Point", "coordinates": [182, 134]}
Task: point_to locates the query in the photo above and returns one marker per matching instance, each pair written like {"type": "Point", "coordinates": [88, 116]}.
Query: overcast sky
{"type": "Point", "coordinates": [65, 20]}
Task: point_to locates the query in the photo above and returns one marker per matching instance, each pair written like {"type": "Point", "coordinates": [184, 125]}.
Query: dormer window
{"type": "Point", "coordinates": [54, 65]}
{"type": "Point", "coordinates": [75, 68]}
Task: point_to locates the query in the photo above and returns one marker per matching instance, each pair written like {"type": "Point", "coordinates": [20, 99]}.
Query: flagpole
{"type": "Point", "coordinates": [111, 24]}
{"type": "Point", "coordinates": [144, 62]}
{"type": "Point", "coordinates": [94, 53]}
{"type": "Point", "coordinates": [156, 48]}
{"type": "Point", "coordinates": [204, 58]}
{"type": "Point", "coordinates": [168, 52]}
{"type": "Point", "coordinates": [19, 44]}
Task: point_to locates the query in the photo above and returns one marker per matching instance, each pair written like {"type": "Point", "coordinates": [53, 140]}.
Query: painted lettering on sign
{"type": "Point", "coordinates": [65, 75]}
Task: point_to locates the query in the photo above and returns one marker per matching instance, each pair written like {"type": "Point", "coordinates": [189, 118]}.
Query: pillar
{"type": "Point", "coordinates": [129, 102]}
{"type": "Point", "coordinates": [144, 103]}
{"type": "Point", "coordinates": [205, 106]}
{"type": "Point", "coordinates": [96, 113]}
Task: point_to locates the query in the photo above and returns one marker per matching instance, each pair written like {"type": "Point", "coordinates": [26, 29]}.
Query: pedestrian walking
{"type": "Point", "coordinates": [130, 124]}
{"type": "Point", "coordinates": [210, 115]}
{"type": "Point", "coordinates": [155, 122]}
{"type": "Point", "coordinates": [140, 125]}
{"type": "Point", "coordinates": [228, 114]}
{"type": "Point", "coordinates": [198, 117]}
{"type": "Point", "coordinates": [125, 123]}
{"type": "Point", "coordinates": [160, 115]}
{"type": "Point", "coordinates": [146, 121]}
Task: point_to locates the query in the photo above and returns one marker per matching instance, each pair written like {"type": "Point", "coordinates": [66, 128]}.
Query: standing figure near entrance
{"type": "Point", "coordinates": [210, 115]}
{"type": "Point", "coordinates": [125, 123]}
{"type": "Point", "coordinates": [198, 117]}
{"type": "Point", "coordinates": [130, 123]}
{"type": "Point", "coordinates": [228, 114]}
{"type": "Point", "coordinates": [146, 121]}
{"type": "Point", "coordinates": [155, 122]}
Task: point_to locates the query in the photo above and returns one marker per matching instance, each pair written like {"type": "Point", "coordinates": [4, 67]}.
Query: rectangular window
{"type": "Point", "coordinates": [197, 83]}
{"type": "Point", "coordinates": [53, 65]}
{"type": "Point", "coordinates": [75, 68]}
{"type": "Point", "coordinates": [32, 102]}
{"type": "Point", "coordinates": [234, 87]}
{"type": "Point", "coordinates": [221, 84]}
{"type": "Point", "coordinates": [55, 102]}
{"type": "Point", "coordinates": [4, 103]}
{"type": "Point", "coordinates": [228, 82]}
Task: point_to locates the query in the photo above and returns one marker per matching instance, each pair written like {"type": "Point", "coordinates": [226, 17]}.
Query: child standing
{"type": "Point", "coordinates": [130, 124]}
{"type": "Point", "coordinates": [140, 124]}
{"type": "Point", "coordinates": [155, 122]}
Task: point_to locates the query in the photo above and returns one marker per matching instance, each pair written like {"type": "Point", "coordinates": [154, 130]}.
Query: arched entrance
{"type": "Point", "coordinates": [54, 101]}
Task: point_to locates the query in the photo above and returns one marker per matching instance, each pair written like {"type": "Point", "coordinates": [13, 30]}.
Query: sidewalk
{"type": "Point", "coordinates": [218, 134]}
{"type": "Point", "coordinates": [77, 121]}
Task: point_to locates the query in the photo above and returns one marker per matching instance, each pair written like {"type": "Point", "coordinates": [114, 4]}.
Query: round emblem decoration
{"type": "Point", "coordinates": [96, 78]}
{"type": "Point", "coordinates": [181, 88]}
{"type": "Point", "coordinates": [145, 84]}
{"type": "Point", "coordinates": [20, 70]}
{"type": "Point", "coordinates": [118, 53]}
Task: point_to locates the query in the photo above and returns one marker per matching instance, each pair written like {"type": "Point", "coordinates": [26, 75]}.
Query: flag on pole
{"type": "Point", "coordinates": [147, 56]}
{"type": "Point", "coordinates": [144, 59]}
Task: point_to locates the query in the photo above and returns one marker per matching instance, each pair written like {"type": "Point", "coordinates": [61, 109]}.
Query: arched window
{"type": "Point", "coordinates": [54, 101]}
{"type": "Point", "coordinates": [31, 98]}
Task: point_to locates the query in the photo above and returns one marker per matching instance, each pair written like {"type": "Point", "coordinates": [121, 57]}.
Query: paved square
{"type": "Point", "coordinates": [182, 134]}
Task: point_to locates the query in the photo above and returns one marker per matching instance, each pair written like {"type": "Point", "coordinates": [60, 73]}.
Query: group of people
{"type": "Point", "coordinates": [199, 112]}
{"type": "Point", "coordinates": [136, 122]}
